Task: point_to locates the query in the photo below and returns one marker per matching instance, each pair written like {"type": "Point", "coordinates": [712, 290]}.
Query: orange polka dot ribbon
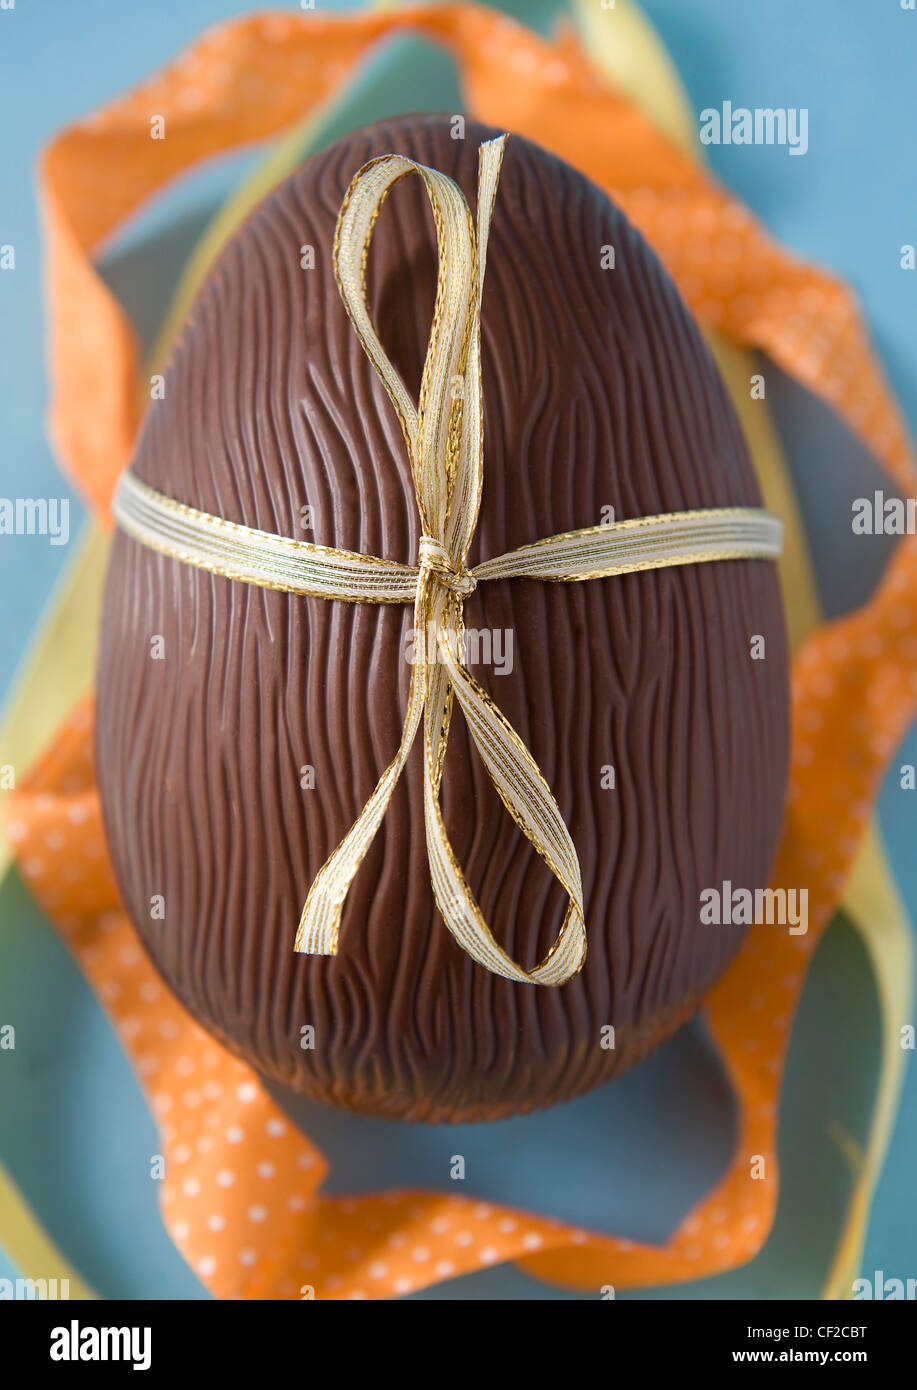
{"type": "Point", "coordinates": [242, 1196]}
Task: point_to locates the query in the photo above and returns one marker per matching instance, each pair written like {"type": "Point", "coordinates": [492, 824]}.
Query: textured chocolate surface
{"type": "Point", "coordinates": [598, 392]}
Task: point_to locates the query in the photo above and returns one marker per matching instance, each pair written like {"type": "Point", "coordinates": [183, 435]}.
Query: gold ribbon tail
{"type": "Point", "coordinates": [320, 923]}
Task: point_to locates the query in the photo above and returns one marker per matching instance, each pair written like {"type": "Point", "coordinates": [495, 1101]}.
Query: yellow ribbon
{"type": "Point", "coordinates": [444, 434]}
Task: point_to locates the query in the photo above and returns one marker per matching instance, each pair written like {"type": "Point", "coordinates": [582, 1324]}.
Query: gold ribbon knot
{"type": "Point", "coordinates": [434, 560]}
{"type": "Point", "coordinates": [443, 433]}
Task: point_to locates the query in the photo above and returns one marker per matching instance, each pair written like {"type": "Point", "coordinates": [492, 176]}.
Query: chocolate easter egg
{"type": "Point", "coordinates": [240, 730]}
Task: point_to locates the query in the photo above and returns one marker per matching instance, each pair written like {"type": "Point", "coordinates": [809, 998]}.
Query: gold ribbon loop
{"type": "Point", "coordinates": [444, 436]}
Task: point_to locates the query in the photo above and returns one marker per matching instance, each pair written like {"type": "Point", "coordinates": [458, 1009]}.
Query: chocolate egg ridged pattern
{"type": "Point", "coordinates": [598, 393]}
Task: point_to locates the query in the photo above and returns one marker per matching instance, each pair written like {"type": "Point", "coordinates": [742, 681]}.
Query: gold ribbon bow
{"type": "Point", "coordinates": [444, 438]}
{"type": "Point", "coordinates": [444, 434]}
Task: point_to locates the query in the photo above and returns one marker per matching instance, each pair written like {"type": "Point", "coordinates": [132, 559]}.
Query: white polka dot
{"type": "Point", "coordinates": [235, 1135]}
{"type": "Point", "coordinates": [555, 72]}
{"type": "Point", "coordinates": [265, 1170]}
{"type": "Point", "coordinates": [190, 98]}
{"type": "Point", "coordinates": [420, 1253]}
{"type": "Point", "coordinates": [275, 1128]}
{"type": "Point", "coordinates": [181, 1230]}
{"type": "Point", "coordinates": [247, 1092]}
{"type": "Point", "coordinates": [377, 1270]}
{"type": "Point", "coordinates": [488, 1255]}
{"type": "Point", "coordinates": [523, 60]}
{"type": "Point", "coordinates": [191, 1187]}
{"type": "Point", "coordinates": [206, 1265]}
{"type": "Point", "coordinates": [402, 1285]}
{"type": "Point", "coordinates": [225, 1178]}
{"type": "Point", "coordinates": [216, 1221]}
{"type": "Point", "coordinates": [247, 1257]}
{"type": "Point", "coordinates": [257, 1213]}
{"type": "Point", "coordinates": [444, 1268]}
{"type": "Point", "coordinates": [532, 1241]}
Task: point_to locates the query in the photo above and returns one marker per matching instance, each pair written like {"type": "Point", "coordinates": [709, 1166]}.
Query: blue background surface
{"type": "Point", "coordinates": [74, 1130]}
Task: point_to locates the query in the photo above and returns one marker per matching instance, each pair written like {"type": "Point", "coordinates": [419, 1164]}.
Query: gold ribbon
{"type": "Point", "coordinates": [444, 433]}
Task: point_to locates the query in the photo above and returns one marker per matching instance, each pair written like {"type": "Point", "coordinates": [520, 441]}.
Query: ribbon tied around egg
{"type": "Point", "coordinates": [444, 437]}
